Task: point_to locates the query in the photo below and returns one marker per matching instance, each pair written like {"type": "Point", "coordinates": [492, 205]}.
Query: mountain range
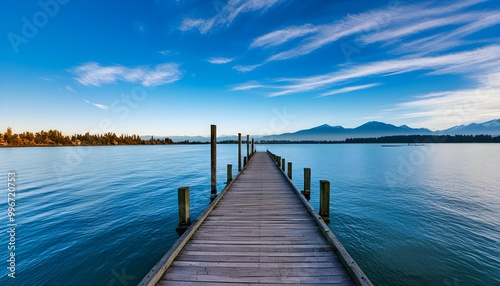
{"type": "Point", "coordinates": [368, 130]}
{"type": "Point", "coordinates": [378, 129]}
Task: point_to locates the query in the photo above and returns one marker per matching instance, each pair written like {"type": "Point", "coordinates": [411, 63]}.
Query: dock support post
{"type": "Point", "coordinates": [290, 170]}
{"type": "Point", "coordinates": [248, 146]}
{"type": "Point", "coordinates": [229, 173]}
{"type": "Point", "coordinates": [278, 161]}
{"type": "Point", "coordinates": [324, 200]}
{"type": "Point", "coordinates": [213, 161]}
{"type": "Point", "coordinates": [253, 146]}
{"type": "Point", "coordinates": [283, 164]}
{"type": "Point", "coordinates": [184, 218]}
{"type": "Point", "coordinates": [244, 161]}
{"type": "Point", "coordinates": [239, 152]}
{"type": "Point", "coordinates": [307, 183]}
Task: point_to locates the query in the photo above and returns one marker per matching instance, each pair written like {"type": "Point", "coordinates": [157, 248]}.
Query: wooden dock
{"type": "Point", "coordinates": [258, 230]}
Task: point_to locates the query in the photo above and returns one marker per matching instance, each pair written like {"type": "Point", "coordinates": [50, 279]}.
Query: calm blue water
{"type": "Point", "coordinates": [419, 215]}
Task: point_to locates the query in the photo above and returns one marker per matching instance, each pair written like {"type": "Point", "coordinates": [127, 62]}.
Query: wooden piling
{"type": "Point", "coordinates": [253, 146]}
{"type": "Point", "coordinates": [290, 170]}
{"type": "Point", "coordinates": [248, 146]}
{"type": "Point", "coordinates": [324, 200]}
{"type": "Point", "coordinates": [229, 173]}
{"type": "Point", "coordinates": [213, 161]}
{"type": "Point", "coordinates": [283, 164]}
{"type": "Point", "coordinates": [244, 161]}
{"type": "Point", "coordinates": [239, 152]}
{"type": "Point", "coordinates": [307, 183]}
{"type": "Point", "coordinates": [278, 161]}
{"type": "Point", "coordinates": [184, 217]}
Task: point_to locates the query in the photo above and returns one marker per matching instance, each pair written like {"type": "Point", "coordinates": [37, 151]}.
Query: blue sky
{"type": "Point", "coordinates": [257, 67]}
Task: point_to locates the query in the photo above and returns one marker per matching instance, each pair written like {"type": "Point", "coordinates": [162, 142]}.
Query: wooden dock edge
{"type": "Point", "coordinates": [352, 267]}
{"type": "Point", "coordinates": [155, 274]}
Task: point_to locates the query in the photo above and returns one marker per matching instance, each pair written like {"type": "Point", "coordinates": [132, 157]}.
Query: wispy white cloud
{"type": "Point", "coordinates": [441, 110]}
{"type": "Point", "coordinates": [248, 68]}
{"type": "Point", "coordinates": [93, 74]}
{"type": "Point", "coordinates": [98, 105]}
{"type": "Point", "coordinates": [165, 52]}
{"type": "Point", "coordinates": [388, 25]}
{"type": "Point", "coordinates": [227, 14]}
{"type": "Point", "coordinates": [413, 28]}
{"type": "Point", "coordinates": [219, 60]}
{"type": "Point", "coordinates": [475, 62]}
{"type": "Point", "coordinates": [247, 86]}
{"type": "Point", "coordinates": [450, 39]}
{"type": "Point", "coordinates": [350, 88]}
{"type": "Point", "coordinates": [69, 88]}
{"type": "Point", "coordinates": [282, 36]}
{"type": "Point", "coordinates": [188, 24]}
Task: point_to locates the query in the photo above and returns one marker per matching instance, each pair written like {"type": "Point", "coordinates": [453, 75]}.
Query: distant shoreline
{"type": "Point", "coordinates": [55, 138]}
{"type": "Point", "coordinates": [384, 144]}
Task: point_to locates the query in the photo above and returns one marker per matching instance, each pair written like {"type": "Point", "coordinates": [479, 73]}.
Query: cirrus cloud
{"type": "Point", "coordinates": [227, 14]}
{"type": "Point", "coordinates": [219, 60]}
{"type": "Point", "coordinates": [94, 74]}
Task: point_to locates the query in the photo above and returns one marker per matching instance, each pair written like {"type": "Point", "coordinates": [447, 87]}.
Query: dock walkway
{"type": "Point", "coordinates": [258, 231]}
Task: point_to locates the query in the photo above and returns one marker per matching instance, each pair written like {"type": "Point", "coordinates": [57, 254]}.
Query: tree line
{"type": "Point", "coordinates": [56, 138]}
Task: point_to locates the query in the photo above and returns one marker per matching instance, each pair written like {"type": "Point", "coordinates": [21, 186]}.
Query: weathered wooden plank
{"type": "Point", "coordinates": [278, 278]}
{"type": "Point", "coordinates": [256, 264]}
{"type": "Point", "coordinates": [260, 259]}
{"type": "Point", "coordinates": [258, 271]}
{"type": "Point", "coordinates": [262, 253]}
{"type": "Point", "coordinates": [257, 248]}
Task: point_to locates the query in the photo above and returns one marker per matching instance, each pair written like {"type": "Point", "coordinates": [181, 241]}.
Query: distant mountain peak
{"type": "Point", "coordinates": [323, 126]}
{"type": "Point", "coordinates": [491, 127]}
{"type": "Point", "coordinates": [492, 123]}
{"type": "Point", "coordinates": [375, 124]}
{"type": "Point", "coordinates": [326, 126]}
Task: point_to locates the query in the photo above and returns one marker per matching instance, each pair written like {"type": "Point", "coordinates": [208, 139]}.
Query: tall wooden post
{"type": "Point", "coordinates": [253, 146]}
{"type": "Point", "coordinates": [213, 161]}
{"type": "Point", "coordinates": [278, 161]}
{"type": "Point", "coordinates": [248, 146]}
{"type": "Point", "coordinates": [184, 217]}
{"type": "Point", "coordinates": [239, 152]}
{"type": "Point", "coordinates": [307, 183]}
{"type": "Point", "coordinates": [244, 161]}
{"type": "Point", "coordinates": [324, 200]}
{"type": "Point", "coordinates": [290, 170]}
{"type": "Point", "coordinates": [229, 173]}
{"type": "Point", "coordinates": [283, 164]}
